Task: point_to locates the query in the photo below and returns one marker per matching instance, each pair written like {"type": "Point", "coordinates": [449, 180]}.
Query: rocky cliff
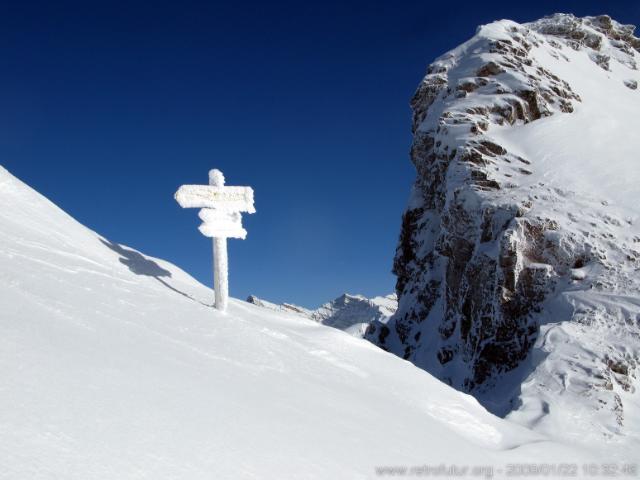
{"type": "Point", "coordinates": [519, 254]}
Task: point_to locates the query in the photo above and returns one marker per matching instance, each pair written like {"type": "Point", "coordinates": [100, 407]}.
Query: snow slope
{"type": "Point", "coordinates": [114, 365]}
{"type": "Point", "coordinates": [518, 263]}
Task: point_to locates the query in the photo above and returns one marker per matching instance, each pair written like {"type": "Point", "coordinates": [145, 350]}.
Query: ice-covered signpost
{"type": "Point", "coordinates": [221, 219]}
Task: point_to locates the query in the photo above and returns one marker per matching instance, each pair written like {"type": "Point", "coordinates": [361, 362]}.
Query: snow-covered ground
{"type": "Point", "coordinates": [113, 365]}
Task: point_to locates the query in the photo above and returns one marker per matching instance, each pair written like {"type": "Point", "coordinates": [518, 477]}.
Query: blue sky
{"type": "Point", "coordinates": [107, 107]}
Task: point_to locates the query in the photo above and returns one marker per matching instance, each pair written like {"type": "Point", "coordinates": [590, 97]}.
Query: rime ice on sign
{"type": "Point", "coordinates": [221, 219]}
{"type": "Point", "coordinates": [216, 223]}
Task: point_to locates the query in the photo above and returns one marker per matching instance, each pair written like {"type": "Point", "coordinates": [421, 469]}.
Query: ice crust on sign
{"type": "Point", "coordinates": [231, 199]}
{"type": "Point", "coordinates": [220, 223]}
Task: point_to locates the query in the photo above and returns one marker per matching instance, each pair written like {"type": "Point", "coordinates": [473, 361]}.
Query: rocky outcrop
{"type": "Point", "coordinates": [491, 252]}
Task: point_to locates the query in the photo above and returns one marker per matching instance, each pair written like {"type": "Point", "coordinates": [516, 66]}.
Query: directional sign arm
{"type": "Point", "coordinates": [230, 199]}
{"type": "Point", "coordinates": [221, 224]}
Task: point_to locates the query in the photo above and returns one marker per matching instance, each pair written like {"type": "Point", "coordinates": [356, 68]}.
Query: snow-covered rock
{"type": "Point", "coordinates": [114, 365]}
{"type": "Point", "coordinates": [279, 307]}
{"type": "Point", "coordinates": [351, 313]}
{"type": "Point", "coordinates": [519, 255]}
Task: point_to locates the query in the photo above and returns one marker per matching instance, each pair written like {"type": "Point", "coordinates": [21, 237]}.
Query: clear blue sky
{"type": "Point", "coordinates": [107, 107]}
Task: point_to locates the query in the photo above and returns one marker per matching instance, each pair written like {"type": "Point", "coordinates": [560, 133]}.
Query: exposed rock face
{"type": "Point", "coordinates": [494, 252]}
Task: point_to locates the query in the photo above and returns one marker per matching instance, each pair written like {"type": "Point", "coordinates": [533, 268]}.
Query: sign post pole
{"type": "Point", "coordinates": [220, 256]}
{"type": "Point", "coordinates": [221, 272]}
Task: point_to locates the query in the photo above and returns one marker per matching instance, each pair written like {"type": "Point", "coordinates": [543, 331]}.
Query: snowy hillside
{"type": "Point", "coordinates": [113, 365]}
{"type": "Point", "coordinates": [519, 258]}
{"type": "Point", "coordinates": [351, 313]}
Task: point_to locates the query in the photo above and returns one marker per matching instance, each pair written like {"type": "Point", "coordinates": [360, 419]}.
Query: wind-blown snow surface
{"type": "Point", "coordinates": [114, 365]}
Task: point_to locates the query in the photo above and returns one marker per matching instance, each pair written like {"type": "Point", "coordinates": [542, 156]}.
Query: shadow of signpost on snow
{"type": "Point", "coordinates": [136, 262]}
{"type": "Point", "coordinates": [141, 265]}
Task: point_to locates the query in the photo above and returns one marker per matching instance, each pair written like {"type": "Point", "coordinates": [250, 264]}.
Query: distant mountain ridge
{"type": "Point", "coordinates": [352, 313]}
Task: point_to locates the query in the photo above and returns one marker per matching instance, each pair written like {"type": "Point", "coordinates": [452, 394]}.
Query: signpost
{"type": "Point", "coordinates": [221, 219]}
